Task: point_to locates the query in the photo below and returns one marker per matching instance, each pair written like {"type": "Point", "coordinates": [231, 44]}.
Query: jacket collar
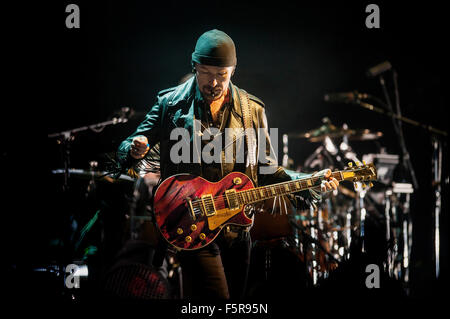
{"type": "Point", "coordinates": [189, 90]}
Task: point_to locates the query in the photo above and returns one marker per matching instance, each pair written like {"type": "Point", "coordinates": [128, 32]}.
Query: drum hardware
{"type": "Point", "coordinates": [329, 130]}
{"type": "Point", "coordinates": [437, 187]}
{"type": "Point", "coordinates": [73, 179]}
{"type": "Point", "coordinates": [311, 243]}
{"type": "Point", "coordinates": [361, 212]}
{"type": "Point", "coordinates": [79, 173]}
{"type": "Point", "coordinates": [335, 150]}
{"type": "Point", "coordinates": [385, 163]}
{"type": "Point", "coordinates": [336, 217]}
{"type": "Point", "coordinates": [63, 278]}
{"type": "Point", "coordinates": [65, 138]}
{"type": "Point", "coordinates": [398, 230]}
{"type": "Point", "coordinates": [437, 135]}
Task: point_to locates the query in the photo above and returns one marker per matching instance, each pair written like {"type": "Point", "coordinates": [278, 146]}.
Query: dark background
{"type": "Point", "coordinates": [289, 55]}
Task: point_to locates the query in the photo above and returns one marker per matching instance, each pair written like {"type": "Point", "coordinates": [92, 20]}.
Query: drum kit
{"type": "Point", "coordinates": [334, 230]}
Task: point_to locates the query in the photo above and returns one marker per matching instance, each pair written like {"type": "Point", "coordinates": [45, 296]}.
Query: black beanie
{"type": "Point", "coordinates": [215, 48]}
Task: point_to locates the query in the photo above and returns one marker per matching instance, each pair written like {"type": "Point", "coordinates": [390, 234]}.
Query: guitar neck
{"type": "Point", "coordinates": [258, 194]}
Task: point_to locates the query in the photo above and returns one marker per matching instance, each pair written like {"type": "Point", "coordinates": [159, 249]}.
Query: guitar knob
{"type": "Point", "coordinates": [350, 164]}
{"type": "Point", "coordinates": [193, 227]}
{"type": "Point", "coordinates": [364, 162]}
{"type": "Point", "coordinates": [371, 184]}
{"type": "Point", "coordinates": [179, 231]}
{"type": "Point", "coordinates": [188, 239]}
{"type": "Point", "coordinates": [237, 180]}
{"type": "Point", "coordinates": [357, 163]}
{"type": "Point", "coordinates": [202, 236]}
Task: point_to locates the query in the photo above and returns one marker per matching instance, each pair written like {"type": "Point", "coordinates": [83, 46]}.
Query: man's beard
{"type": "Point", "coordinates": [211, 94]}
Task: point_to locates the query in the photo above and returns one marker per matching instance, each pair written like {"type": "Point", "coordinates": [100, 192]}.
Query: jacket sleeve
{"type": "Point", "coordinates": [149, 127]}
{"type": "Point", "coordinates": [269, 172]}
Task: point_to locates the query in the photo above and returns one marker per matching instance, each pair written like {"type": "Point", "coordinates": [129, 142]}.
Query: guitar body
{"type": "Point", "coordinates": [182, 217]}
{"type": "Point", "coordinates": [191, 211]}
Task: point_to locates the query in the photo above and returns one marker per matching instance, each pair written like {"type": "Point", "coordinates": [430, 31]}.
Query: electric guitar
{"type": "Point", "coordinates": [191, 211]}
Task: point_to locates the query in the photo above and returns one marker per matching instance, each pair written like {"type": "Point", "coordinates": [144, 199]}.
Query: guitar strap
{"type": "Point", "coordinates": [249, 132]}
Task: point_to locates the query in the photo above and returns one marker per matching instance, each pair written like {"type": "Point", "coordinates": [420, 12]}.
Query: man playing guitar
{"type": "Point", "coordinates": [214, 258]}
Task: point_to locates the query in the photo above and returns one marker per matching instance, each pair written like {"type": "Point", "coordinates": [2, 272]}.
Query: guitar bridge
{"type": "Point", "coordinates": [208, 205]}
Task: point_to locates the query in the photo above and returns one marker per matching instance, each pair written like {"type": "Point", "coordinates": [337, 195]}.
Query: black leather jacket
{"type": "Point", "coordinates": [177, 107]}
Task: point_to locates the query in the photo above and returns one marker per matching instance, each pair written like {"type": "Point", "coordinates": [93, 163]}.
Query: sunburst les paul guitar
{"type": "Point", "coordinates": [191, 211]}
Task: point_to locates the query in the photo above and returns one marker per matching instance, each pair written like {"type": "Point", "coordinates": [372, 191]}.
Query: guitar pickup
{"type": "Point", "coordinates": [191, 208]}
{"type": "Point", "coordinates": [208, 205]}
{"type": "Point", "coordinates": [232, 199]}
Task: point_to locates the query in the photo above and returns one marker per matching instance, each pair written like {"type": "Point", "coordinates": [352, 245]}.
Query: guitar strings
{"type": "Point", "coordinates": [248, 192]}
{"type": "Point", "coordinates": [221, 200]}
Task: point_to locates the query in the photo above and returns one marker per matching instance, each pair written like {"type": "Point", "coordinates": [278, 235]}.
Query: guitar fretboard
{"type": "Point", "coordinates": [267, 192]}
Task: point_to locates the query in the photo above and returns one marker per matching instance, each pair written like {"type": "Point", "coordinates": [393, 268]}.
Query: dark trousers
{"type": "Point", "coordinates": [218, 271]}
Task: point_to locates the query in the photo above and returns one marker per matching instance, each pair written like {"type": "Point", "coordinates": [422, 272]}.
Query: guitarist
{"type": "Point", "coordinates": [219, 270]}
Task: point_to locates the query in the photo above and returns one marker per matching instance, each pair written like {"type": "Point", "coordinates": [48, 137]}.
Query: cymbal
{"type": "Point", "coordinates": [365, 135]}
{"type": "Point", "coordinates": [97, 175]}
{"type": "Point", "coordinates": [326, 129]}
{"type": "Point", "coordinates": [347, 192]}
{"type": "Point", "coordinates": [333, 132]}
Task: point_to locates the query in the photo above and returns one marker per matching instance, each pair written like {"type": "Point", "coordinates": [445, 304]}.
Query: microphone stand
{"type": "Point", "coordinates": [436, 158]}
{"type": "Point", "coordinates": [64, 138]}
{"type": "Point", "coordinates": [436, 165]}
{"type": "Point", "coordinates": [390, 114]}
{"type": "Point", "coordinates": [437, 181]}
{"type": "Point", "coordinates": [398, 128]}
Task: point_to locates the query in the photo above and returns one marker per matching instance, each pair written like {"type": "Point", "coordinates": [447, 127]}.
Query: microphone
{"type": "Point", "coordinates": [378, 69]}
{"type": "Point", "coordinates": [345, 97]}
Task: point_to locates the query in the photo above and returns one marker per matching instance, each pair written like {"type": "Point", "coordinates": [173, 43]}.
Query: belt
{"type": "Point", "coordinates": [236, 229]}
{"type": "Point", "coordinates": [236, 232]}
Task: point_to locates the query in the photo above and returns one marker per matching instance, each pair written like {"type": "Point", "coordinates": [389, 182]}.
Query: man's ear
{"type": "Point", "coordinates": [234, 69]}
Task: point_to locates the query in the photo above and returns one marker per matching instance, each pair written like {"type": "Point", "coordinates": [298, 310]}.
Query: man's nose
{"type": "Point", "coordinates": [213, 82]}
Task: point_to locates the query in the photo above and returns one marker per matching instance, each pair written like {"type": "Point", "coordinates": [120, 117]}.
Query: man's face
{"type": "Point", "coordinates": [213, 81]}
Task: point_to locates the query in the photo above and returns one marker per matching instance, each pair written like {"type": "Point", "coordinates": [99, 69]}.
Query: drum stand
{"type": "Point", "coordinates": [312, 242]}
{"type": "Point", "coordinates": [437, 176]}
{"type": "Point", "coordinates": [64, 138]}
{"type": "Point", "coordinates": [315, 244]}
{"type": "Point", "coordinates": [398, 230]}
{"type": "Point", "coordinates": [387, 213]}
{"type": "Point", "coordinates": [361, 213]}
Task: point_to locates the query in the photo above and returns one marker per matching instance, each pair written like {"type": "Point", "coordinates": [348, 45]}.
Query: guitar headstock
{"type": "Point", "coordinates": [360, 172]}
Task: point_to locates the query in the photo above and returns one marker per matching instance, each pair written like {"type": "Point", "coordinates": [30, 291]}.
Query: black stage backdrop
{"type": "Point", "coordinates": [289, 54]}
